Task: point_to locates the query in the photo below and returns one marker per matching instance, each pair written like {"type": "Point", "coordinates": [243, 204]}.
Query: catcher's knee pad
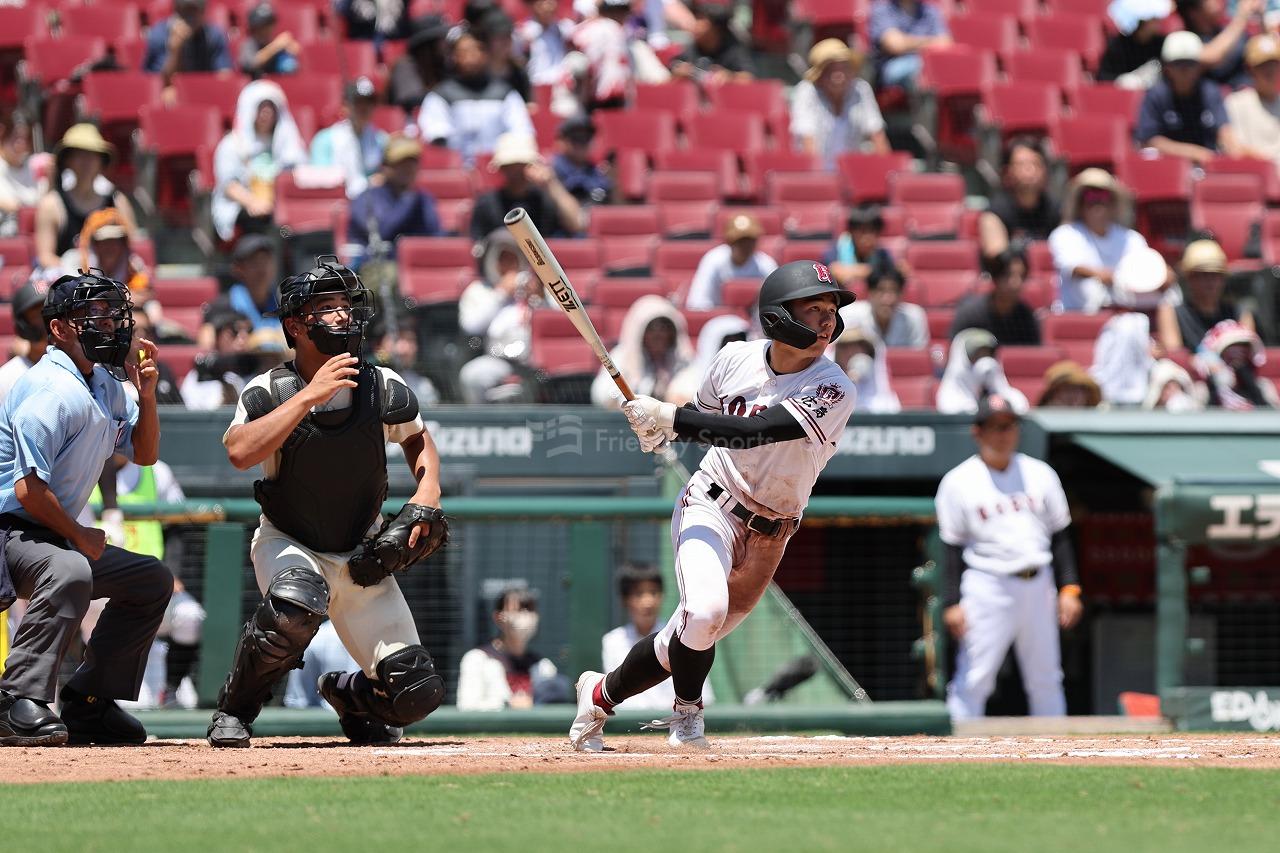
{"type": "Point", "coordinates": [274, 639]}
{"type": "Point", "coordinates": [408, 687]}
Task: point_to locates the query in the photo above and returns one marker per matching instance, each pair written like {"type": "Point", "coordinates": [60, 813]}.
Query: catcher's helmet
{"type": "Point", "coordinates": [101, 311]}
{"type": "Point", "coordinates": [328, 276]}
{"type": "Point", "coordinates": [797, 280]}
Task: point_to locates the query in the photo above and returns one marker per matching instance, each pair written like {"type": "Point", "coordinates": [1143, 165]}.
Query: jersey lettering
{"type": "Point", "coordinates": [738, 408]}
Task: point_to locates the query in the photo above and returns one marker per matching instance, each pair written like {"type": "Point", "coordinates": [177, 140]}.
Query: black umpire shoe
{"type": "Point", "coordinates": [92, 719]}
{"type": "Point", "coordinates": [26, 722]}
{"type": "Point", "coordinates": [360, 728]}
{"type": "Point", "coordinates": [228, 730]}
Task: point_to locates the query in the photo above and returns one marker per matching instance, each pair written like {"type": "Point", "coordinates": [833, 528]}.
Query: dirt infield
{"type": "Point", "coordinates": [272, 757]}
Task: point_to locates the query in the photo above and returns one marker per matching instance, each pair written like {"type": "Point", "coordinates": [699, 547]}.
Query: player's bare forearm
{"type": "Point", "coordinates": [146, 432]}
{"type": "Point", "coordinates": [424, 462]}
{"type": "Point", "coordinates": [42, 504]}
{"type": "Point", "coordinates": [248, 444]}
{"type": "Point", "coordinates": [765, 427]}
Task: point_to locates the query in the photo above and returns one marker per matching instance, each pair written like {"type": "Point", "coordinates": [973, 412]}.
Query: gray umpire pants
{"type": "Point", "coordinates": [60, 582]}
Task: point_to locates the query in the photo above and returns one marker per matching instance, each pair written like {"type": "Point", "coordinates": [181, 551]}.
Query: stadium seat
{"type": "Point", "coordinates": [941, 288]}
{"type": "Point", "coordinates": [1094, 140]}
{"type": "Point", "coordinates": [915, 392]}
{"type": "Point", "coordinates": [830, 18]}
{"type": "Point", "coordinates": [683, 186]}
{"type": "Point", "coordinates": [1108, 100]}
{"type": "Point", "coordinates": [551, 322]}
{"type": "Point", "coordinates": [110, 22]}
{"type": "Point", "coordinates": [740, 294]}
{"type": "Point", "coordinates": [17, 251]}
{"type": "Point", "coordinates": [770, 218]}
{"type": "Point", "coordinates": [440, 157]}
{"type": "Point", "coordinates": [352, 59]}
{"type": "Point", "coordinates": [931, 203]}
{"type": "Point", "coordinates": [577, 257]}
{"type": "Point", "coordinates": [455, 214]}
{"type": "Point", "coordinates": [181, 358]}
{"type": "Point", "coordinates": [563, 356]}
{"type": "Point", "coordinates": [679, 98]}
{"type": "Point", "coordinates": [307, 208]}
{"type": "Point", "coordinates": [17, 23]}
{"type": "Point", "coordinates": [1019, 362]}
{"type": "Point", "coordinates": [804, 250]}
{"type": "Point", "coordinates": [113, 97]}
{"type": "Point", "coordinates": [720, 163]}
{"type": "Point", "coordinates": [47, 60]}
{"type": "Point", "coordinates": [1059, 68]}
{"type": "Point", "coordinates": [648, 130]}
{"type": "Point", "coordinates": [939, 320]}
{"type": "Point", "coordinates": [954, 79]}
{"type": "Point", "coordinates": [943, 255]}
{"type": "Point", "coordinates": [1263, 171]}
{"type": "Point", "coordinates": [766, 97]}
{"type": "Point", "coordinates": [316, 89]}
{"type": "Point", "coordinates": [1230, 225]}
{"type": "Point", "coordinates": [1039, 290]}
{"type": "Point", "coordinates": [685, 219]}
{"type": "Point", "coordinates": [438, 253]}
{"type": "Point", "coordinates": [189, 318]}
{"type": "Point", "coordinates": [1073, 328]}
{"type": "Point", "coordinates": [1022, 107]}
{"type": "Point", "coordinates": [388, 118]}
{"type": "Point", "coordinates": [865, 177]}
{"type": "Point", "coordinates": [623, 292]}
{"type": "Point", "coordinates": [904, 362]}
{"type": "Point", "coordinates": [674, 261]}
{"type": "Point", "coordinates": [185, 292]}
{"type": "Point", "coordinates": [627, 254]}
{"type": "Point", "coordinates": [172, 136]}
{"type": "Point", "coordinates": [214, 89]}
{"type": "Point", "coordinates": [1032, 387]}
{"type": "Point", "coordinates": [1228, 189]}
{"type": "Point", "coordinates": [1161, 187]}
{"type": "Point", "coordinates": [446, 183]}
{"type": "Point", "coordinates": [695, 320]}
{"type": "Point", "coordinates": [429, 285]}
{"type": "Point", "coordinates": [1069, 31]}
{"type": "Point", "coordinates": [298, 19]}
{"type": "Point", "coordinates": [985, 31]}
{"type": "Point", "coordinates": [1039, 257]}
{"type": "Point", "coordinates": [760, 164]}
{"type": "Point", "coordinates": [729, 130]}
{"type": "Point", "coordinates": [1022, 10]}
{"type": "Point", "coordinates": [623, 221]}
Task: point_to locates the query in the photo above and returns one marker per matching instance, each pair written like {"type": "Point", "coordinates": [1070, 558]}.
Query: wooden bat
{"type": "Point", "coordinates": [557, 283]}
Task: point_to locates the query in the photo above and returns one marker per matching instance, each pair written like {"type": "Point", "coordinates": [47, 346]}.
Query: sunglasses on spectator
{"type": "Point", "coordinates": [1089, 197]}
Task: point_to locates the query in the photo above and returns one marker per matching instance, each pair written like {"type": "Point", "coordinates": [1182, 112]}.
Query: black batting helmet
{"type": "Point", "coordinates": [797, 280]}
{"type": "Point", "coordinates": [328, 276]}
{"type": "Point", "coordinates": [30, 295]}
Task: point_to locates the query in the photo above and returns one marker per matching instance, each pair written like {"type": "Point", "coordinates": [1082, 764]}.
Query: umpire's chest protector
{"type": "Point", "coordinates": [332, 478]}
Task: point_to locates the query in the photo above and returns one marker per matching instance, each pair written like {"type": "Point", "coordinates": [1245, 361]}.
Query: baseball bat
{"type": "Point", "coordinates": [553, 277]}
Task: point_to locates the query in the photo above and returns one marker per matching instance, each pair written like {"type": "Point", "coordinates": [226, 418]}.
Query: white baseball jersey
{"type": "Point", "coordinates": [1004, 520]}
{"type": "Point", "coordinates": [775, 479]}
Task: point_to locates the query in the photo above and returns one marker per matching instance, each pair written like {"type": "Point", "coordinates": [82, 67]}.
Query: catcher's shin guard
{"type": "Point", "coordinates": [407, 689]}
{"type": "Point", "coordinates": [273, 640]}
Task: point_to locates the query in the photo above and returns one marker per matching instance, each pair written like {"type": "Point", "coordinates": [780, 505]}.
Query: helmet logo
{"type": "Point", "coordinates": [823, 273]}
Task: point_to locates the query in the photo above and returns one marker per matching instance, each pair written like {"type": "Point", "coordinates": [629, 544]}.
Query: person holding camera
{"type": "Point", "coordinates": [220, 374]}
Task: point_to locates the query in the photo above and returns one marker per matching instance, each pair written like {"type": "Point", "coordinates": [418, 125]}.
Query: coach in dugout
{"type": "Point", "coordinates": [63, 419]}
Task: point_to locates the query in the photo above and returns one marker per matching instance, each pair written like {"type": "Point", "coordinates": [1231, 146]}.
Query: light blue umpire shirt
{"type": "Point", "coordinates": [63, 428]}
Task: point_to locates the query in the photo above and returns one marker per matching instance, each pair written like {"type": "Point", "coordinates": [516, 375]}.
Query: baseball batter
{"type": "Point", "coordinates": [319, 427]}
{"type": "Point", "coordinates": [1010, 570]}
{"type": "Point", "coordinates": [772, 411]}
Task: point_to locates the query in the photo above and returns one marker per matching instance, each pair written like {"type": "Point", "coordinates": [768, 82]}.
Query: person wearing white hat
{"type": "Point", "coordinates": [528, 182]}
{"type": "Point", "coordinates": [1183, 114]}
{"type": "Point", "coordinates": [1204, 278]}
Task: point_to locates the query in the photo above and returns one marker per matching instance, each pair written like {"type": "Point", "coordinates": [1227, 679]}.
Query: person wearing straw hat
{"type": "Point", "coordinates": [1204, 278]}
{"type": "Point", "coordinates": [834, 110]}
{"type": "Point", "coordinates": [1182, 114]}
{"type": "Point", "coordinates": [61, 213]}
{"type": "Point", "coordinates": [1254, 111]}
{"type": "Point", "coordinates": [1067, 385]}
{"type": "Point", "coordinates": [1091, 241]}
{"type": "Point", "coordinates": [528, 182]}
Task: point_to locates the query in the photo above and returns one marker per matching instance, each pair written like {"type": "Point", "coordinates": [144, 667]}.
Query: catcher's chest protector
{"type": "Point", "coordinates": [333, 468]}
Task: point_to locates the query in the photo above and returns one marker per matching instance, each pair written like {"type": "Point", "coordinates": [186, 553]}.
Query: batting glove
{"type": "Point", "coordinates": [663, 414]}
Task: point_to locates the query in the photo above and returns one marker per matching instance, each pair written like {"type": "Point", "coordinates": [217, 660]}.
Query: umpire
{"type": "Point", "coordinates": [63, 419]}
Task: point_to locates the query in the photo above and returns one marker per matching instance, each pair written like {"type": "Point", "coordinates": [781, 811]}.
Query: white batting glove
{"type": "Point", "coordinates": [663, 414]}
{"type": "Point", "coordinates": [112, 524]}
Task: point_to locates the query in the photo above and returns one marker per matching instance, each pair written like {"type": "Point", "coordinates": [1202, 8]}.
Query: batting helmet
{"type": "Point", "coordinates": [30, 295]}
{"type": "Point", "coordinates": [797, 280]}
{"type": "Point", "coordinates": [328, 276]}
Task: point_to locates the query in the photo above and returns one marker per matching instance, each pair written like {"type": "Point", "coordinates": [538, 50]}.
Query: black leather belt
{"type": "Point", "coordinates": [758, 523]}
{"type": "Point", "coordinates": [1025, 574]}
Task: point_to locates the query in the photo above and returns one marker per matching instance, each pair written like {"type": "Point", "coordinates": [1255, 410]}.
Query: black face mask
{"type": "Point", "coordinates": [335, 341]}
{"type": "Point", "coordinates": [107, 348]}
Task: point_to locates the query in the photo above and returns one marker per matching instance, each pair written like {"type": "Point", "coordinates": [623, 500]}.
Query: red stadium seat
{"type": "Point", "coordinates": [740, 294]}
{"type": "Point", "coordinates": [357, 59]}
{"type": "Point", "coordinates": [904, 362]}
{"type": "Point", "coordinates": [679, 98]}
{"type": "Point", "coordinates": [1107, 99]}
{"type": "Point", "coordinates": [695, 320]}
{"type": "Point", "coordinates": [1094, 140]}
{"type": "Point", "coordinates": [1080, 33]}
{"type": "Point", "coordinates": [623, 292]}
{"type": "Point", "coordinates": [215, 89]}
{"type": "Point", "coordinates": [943, 255]}
{"type": "Point", "coordinates": [942, 288]}
{"type": "Point", "coordinates": [563, 356]}
{"type": "Point", "coordinates": [955, 78]}
{"type": "Point", "coordinates": [1021, 362]}
{"type": "Point", "coordinates": [1230, 226]}
{"type": "Point", "coordinates": [432, 285]}
{"type": "Point", "coordinates": [438, 253]}
{"type": "Point", "coordinates": [174, 136]}
{"type": "Point", "coordinates": [623, 221]}
{"type": "Point", "coordinates": [685, 219]}
{"type": "Point", "coordinates": [17, 23]}
{"type": "Point", "coordinates": [181, 358]}
{"type": "Point", "coordinates": [185, 292]}
{"type": "Point", "coordinates": [674, 261]}
{"type": "Point", "coordinates": [110, 22]}
{"type": "Point", "coordinates": [552, 323]}
{"type": "Point", "coordinates": [648, 130]}
{"type": "Point", "coordinates": [729, 130]}
{"type": "Point", "coordinates": [1262, 170]}
{"type": "Point", "coordinates": [985, 31]}
{"type": "Point", "coordinates": [632, 169]}
{"type": "Point", "coordinates": [866, 177]}
{"type": "Point", "coordinates": [629, 254]}
{"type": "Point", "coordinates": [930, 203]}
{"type": "Point", "coordinates": [319, 90]}
{"type": "Point", "coordinates": [720, 163]}
{"type": "Point", "coordinates": [830, 18]}
{"type": "Point", "coordinates": [915, 392]}
{"type": "Point", "coordinates": [1023, 10]}
{"type": "Point", "coordinates": [1057, 67]}
{"type": "Point", "coordinates": [446, 183]}
{"type": "Point", "coordinates": [1023, 107]}
{"type": "Point", "coordinates": [765, 97]}
{"type": "Point", "coordinates": [306, 209]}
{"type": "Point", "coordinates": [1161, 187]}
{"type": "Point", "coordinates": [1073, 327]}
{"type": "Point", "coordinates": [580, 257]}
{"type": "Point", "coordinates": [1039, 290]}
{"type": "Point", "coordinates": [17, 251]}
{"type": "Point", "coordinates": [111, 97]}
{"type": "Point", "coordinates": [439, 157]}
{"type": "Point", "coordinates": [940, 323]}
{"type": "Point", "coordinates": [683, 186]}
{"type": "Point", "coordinates": [455, 214]}
{"type": "Point", "coordinates": [47, 60]}
{"type": "Point", "coordinates": [770, 219]}
{"type": "Point", "coordinates": [786, 188]}
{"type": "Point", "coordinates": [760, 164]}
{"type": "Point", "coordinates": [299, 19]}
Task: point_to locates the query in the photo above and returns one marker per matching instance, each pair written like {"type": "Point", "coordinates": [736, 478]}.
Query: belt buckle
{"type": "Point", "coordinates": [762, 525]}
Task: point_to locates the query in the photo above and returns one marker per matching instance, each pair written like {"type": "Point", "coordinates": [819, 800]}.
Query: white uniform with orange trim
{"type": "Point", "coordinates": [723, 567]}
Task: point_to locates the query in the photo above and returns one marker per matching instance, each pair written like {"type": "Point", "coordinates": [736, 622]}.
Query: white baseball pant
{"type": "Point", "coordinates": [1000, 610]}
{"type": "Point", "coordinates": [721, 567]}
{"type": "Point", "coordinates": [372, 621]}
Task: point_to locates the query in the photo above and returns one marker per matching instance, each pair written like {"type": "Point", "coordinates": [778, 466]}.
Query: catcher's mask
{"type": "Point", "coordinates": [100, 310]}
{"type": "Point", "coordinates": [328, 277]}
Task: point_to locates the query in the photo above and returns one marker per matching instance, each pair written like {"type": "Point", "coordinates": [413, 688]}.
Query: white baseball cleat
{"type": "Point", "coordinates": [686, 725]}
{"type": "Point", "coordinates": [584, 734]}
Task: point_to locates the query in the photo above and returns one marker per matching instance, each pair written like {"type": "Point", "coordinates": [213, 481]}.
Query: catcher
{"type": "Point", "coordinates": [318, 426]}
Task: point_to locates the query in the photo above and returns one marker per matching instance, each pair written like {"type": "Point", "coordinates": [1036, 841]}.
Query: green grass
{"type": "Point", "coordinates": [943, 807]}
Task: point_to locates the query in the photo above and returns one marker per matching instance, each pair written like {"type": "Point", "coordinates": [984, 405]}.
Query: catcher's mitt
{"type": "Point", "coordinates": [389, 552]}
